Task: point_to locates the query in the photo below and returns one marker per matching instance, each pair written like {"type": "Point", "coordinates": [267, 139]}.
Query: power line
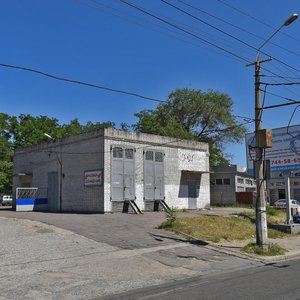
{"type": "Point", "coordinates": [164, 30]}
{"type": "Point", "coordinates": [145, 147]}
{"type": "Point", "coordinates": [236, 26]}
{"type": "Point", "coordinates": [279, 96]}
{"type": "Point", "coordinates": [278, 76]}
{"type": "Point", "coordinates": [281, 83]}
{"type": "Point", "coordinates": [228, 34]}
{"type": "Point", "coordinates": [297, 137]}
{"type": "Point", "coordinates": [256, 19]}
{"type": "Point", "coordinates": [291, 89]}
{"type": "Point", "coordinates": [280, 105]}
{"type": "Point", "coordinates": [183, 30]}
{"type": "Point", "coordinates": [208, 24]}
{"type": "Point", "coordinates": [96, 86]}
{"type": "Point", "coordinates": [202, 39]}
{"type": "Point", "coordinates": [80, 82]}
{"type": "Point", "coordinates": [132, 19]}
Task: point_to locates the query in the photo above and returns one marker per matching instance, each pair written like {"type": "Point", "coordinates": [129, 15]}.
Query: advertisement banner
{"type": "Point", "coordinates": [285, 152]}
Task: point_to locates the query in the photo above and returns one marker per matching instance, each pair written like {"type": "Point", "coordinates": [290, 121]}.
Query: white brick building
{"type": "Point", "coordinates": [102, 171]}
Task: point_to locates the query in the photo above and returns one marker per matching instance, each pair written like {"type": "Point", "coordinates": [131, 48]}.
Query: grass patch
{"type": "Point", "coordinates": [233, 205]}
{"type": "Point", "coordinates": [216, 228]}
{"type": "Point", "coordinates": [272, 250]}
{"type": "Point", "coordinates": [276, 234]}
{"type": "Point", "coordinates": [274, 215]}
{"type": "Point", "coordinates": [212, 228]}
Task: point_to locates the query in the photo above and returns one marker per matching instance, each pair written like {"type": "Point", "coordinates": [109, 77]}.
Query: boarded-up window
{"type": "Point", "coordinates": [158, 156]}
{"type": "Point", "coordinates": [149, 155]}
{"type": "Point", "coordinates": [129, 153]}
{"type": "Point", "coordinates": [118, 152]}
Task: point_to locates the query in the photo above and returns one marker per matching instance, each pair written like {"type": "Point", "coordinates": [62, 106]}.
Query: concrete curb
{"type": "Point", "coordinates": [263, 259]}
{"type": "Point", "coordinates": [257, 258]}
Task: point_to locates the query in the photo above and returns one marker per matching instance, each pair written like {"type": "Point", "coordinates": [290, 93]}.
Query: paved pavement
{"type": "Point", "coordinates": [82, 256]}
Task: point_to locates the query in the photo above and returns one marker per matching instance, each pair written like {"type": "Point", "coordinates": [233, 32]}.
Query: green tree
{"type": "Point", "coordinates": [29, 130]}
{"type": "Point", "coordinates": [193, 114]}
{"type": "Point", "coordinates": [6, 153]}
{"type": "Point", "coordinates": [25, 130]}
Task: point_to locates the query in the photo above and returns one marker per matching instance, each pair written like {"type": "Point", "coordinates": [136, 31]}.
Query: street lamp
{"type": "Point", "coordinates": [48, 136]}
{"type": "Point", "coordinates": [288, 22]}
{"type": "Point", "coordinates": [261, 216]}
{"type": "Point", "coordinates": [59, 159]}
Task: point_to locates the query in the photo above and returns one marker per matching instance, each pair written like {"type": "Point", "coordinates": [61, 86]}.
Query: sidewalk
{"type": "Point", "coordinates": [291, 244]}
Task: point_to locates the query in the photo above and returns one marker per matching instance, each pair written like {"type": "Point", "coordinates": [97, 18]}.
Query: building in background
{"type": "Point", "coordinates": [110, 170]}
{"type": "Point", "coordinates": [231, 185]}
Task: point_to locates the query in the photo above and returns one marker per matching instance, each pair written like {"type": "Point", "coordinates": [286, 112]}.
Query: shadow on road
{"type": "Point", "coordinates": [159, 237]}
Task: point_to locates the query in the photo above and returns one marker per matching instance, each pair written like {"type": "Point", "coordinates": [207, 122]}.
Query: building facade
{"type": "Point", "coordinates": [102, 171]}
{"type": "Point", "coordinates": [227, 181]}
{"type": "Point", "coordinates": [277, 187]}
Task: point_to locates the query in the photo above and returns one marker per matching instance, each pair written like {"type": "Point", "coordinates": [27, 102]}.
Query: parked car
{"type": "Point", "coordinates": [281, 203]}
{"type": "Point", "coordinates": [6, 200]}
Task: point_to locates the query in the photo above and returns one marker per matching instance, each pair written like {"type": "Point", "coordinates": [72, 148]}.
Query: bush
{"type": "Point", "coordinates": [273, 250]}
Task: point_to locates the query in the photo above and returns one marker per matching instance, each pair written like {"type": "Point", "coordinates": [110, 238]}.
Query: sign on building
{"type": "Point", "coordinates": [94, 177]}
{"type": "Point", "coordinates": [285, 152]}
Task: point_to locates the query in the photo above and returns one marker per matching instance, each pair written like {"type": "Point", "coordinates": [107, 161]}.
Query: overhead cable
{"type": "Point", "coordinates": [236, 26]}
{"type": "Point", "coordinates": [228, 34]}
{"type": "Point", "coordinates": [80, 82]}
{"type": "Point", "coordinates": [256, 19]}
{"type": "Point", "coordinates": [183, 30]}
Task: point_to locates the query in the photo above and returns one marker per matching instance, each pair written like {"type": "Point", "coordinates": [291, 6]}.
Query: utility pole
{"type": "Point", "coordinates": [260, 208]}
{"type": "Point", "coordinates": [261, 143]}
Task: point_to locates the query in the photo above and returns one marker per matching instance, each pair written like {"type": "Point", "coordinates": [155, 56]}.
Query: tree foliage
{"type": "Point", "coordinates": [193, 114]}
{"type": "Point", "coordinates": [25, 130]}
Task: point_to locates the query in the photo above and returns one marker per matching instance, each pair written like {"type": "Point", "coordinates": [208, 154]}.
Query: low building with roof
{"type": "Point", "coordinates": [231, 184]}
{"type": "Point", "coordinates": [111, 170]}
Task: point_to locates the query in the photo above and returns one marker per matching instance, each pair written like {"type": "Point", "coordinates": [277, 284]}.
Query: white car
{"type": "Point", "coordinates": [6, 200]}
{"type": "Point", "coordinates": [281, 203]}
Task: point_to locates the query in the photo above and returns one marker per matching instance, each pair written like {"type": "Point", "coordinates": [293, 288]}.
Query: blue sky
{"type": "Point", "coordinates": [106, 42]}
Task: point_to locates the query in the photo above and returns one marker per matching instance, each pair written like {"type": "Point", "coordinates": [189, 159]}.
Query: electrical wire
{"type": "Point", "coordinates": [183, 30]}
{"type": "Point", "coordinates": [137, 148]}
{"type": "Point", "coordinates": [228, 34]}
{"type": "Point", "coordinates": [277, 76]}
{"type": "Point", "coordinates": [282, 97]}
{"type": "Point", "coordinates": [83, 83]}
{"type": "Point", "coordinates": [132, 19]}
{"type": "Point", "coordinates": [296, 137]}
{"type": "Point", "coordinates": [231, 53]}
{"type": "Point", "coordinates": [244, 43]}
{"type": "Point", "coordinates": [237, 27]}
{"type": "Point", "coordinates": [164, 30]}
{"type": "Point", "coordinates": [281, 83]}
{"type": "Point", "coordinates": [80, 82]}
{"type": "Point", "coordinates": [255, 19]}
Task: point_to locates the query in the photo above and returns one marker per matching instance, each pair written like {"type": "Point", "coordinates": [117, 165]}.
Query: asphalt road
{"type": "Point", "coordinates": [40, 261]}
{"type": "Point", "coordinates": [272, 281]}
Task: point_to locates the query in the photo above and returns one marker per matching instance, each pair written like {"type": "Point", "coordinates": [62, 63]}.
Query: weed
{"type": "Point", "coordinates": [171, 215]}
{"type": "Point", "coordinates": [273, 249]}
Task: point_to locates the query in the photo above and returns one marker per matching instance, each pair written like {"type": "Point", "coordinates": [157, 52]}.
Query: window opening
{"type": "Point", "coordinates": [118, 152]}
{"type": "Point", "coordinates": [149, 155]}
